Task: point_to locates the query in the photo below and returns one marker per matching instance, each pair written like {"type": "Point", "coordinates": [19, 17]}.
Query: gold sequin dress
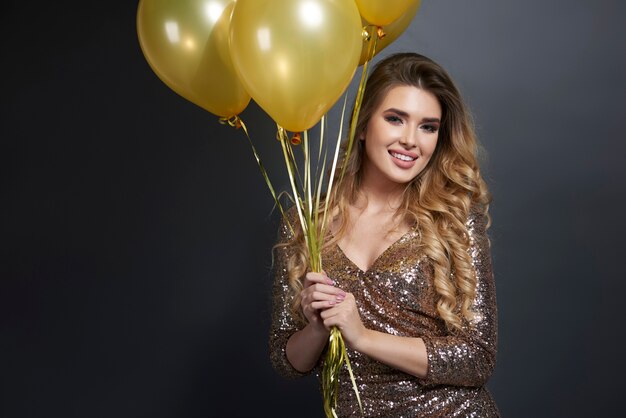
{"type": "Point", "coordinates": [396, 295]}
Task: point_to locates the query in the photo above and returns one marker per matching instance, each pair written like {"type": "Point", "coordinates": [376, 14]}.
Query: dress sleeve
{"type": "Point", "coordinates": [468, 357]}
{"type": "Point", "coordinates": [283, 324]}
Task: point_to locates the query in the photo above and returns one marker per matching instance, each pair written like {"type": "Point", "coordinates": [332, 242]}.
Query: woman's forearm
{"type": "Point", "coordinates": [403, 353]}
{"type": "Point", "coordinates": [305, 347]}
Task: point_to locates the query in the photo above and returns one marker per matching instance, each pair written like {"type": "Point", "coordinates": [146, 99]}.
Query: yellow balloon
{"type": "Point", "coordinates": [186, 44]}
{"type": "Point", "coordinates": [296, 57]}
{"type": "Point", "coordinates": [383, 12]}
{"type": "Point", "coordinates": [392, 31]}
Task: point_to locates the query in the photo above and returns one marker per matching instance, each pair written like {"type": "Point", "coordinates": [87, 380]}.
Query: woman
{"type": "Point", "coordinates": [408, 278]}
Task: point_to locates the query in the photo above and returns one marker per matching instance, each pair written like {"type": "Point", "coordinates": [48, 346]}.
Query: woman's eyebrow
{"type": "Point", "coordinates": [398, 111]}
{"type": "Point", "coordinates": [406, 115]}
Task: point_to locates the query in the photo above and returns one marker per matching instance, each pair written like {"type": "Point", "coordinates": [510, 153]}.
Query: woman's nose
{"type": "Point", "coordinates": [409, 137]}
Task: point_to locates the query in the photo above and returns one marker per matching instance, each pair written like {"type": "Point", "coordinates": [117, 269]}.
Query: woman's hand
{"type": "Point", "coordinates": [345, 316]}
{"type": "Point", "coordinates": [305, 346]}
{"type": "Point", "coordinates": [318, 294]}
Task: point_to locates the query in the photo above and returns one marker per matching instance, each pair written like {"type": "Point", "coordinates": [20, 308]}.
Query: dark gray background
{"type": "Point", "coordinates": [136, 230]}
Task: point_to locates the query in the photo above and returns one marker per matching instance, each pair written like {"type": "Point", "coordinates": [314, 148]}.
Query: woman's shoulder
{"type": "Point", "coordinates": [477, 211]}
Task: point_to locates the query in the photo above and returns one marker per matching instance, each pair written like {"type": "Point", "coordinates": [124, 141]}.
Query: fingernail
{"type": "Point", "coordinates": [342, 293]}
{"type": "Point", "coordinates": [340, 298]}
{"type": "Point", "coordinates": [332, 302]}
{"type": "Point", "coordinates": [330, 281]}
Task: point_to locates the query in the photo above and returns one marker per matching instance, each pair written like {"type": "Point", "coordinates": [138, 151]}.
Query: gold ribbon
{"type": "Point", "coordinates": [237, 123]}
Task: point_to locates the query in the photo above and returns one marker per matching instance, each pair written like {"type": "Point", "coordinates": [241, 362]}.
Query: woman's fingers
{"type": "Point", "coordinates": [325, 300]}
{"type": "Point", "coordinates": [319, 287]}
{"type": "Point", "coordinates": [340, 312]}
{"type": "Point", "coordinates": [319, 294]}
{"type": "Point", "coordinates": [317, 278]}
{"type": "Point", "coordinates": [325, 294]}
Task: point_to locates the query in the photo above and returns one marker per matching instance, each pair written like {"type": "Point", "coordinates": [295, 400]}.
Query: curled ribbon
{"type": "Point", "coordinates": [234, 121]}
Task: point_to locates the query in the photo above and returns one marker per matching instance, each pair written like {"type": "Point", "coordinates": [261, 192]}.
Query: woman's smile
{"type": "Point", "coordinates": [403, 159]}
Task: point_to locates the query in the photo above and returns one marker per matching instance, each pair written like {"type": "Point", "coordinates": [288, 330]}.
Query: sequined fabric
{"type": "Point", "coordinates": [396, 295]}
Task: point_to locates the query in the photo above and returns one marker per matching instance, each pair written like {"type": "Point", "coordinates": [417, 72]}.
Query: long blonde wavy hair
{"type": "Point", "coordinates": [437, 201]}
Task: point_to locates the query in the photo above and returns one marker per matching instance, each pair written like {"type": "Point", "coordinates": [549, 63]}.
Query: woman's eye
{"type": "Point", "coordinates": [393, 119]}
{"type": "Point", "coordinates": [430, 128]}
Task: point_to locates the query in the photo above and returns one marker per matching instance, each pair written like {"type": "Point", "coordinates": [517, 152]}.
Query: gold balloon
{"type": "Point", "coordinates": [392, 31]}
{"type": "Point", "coordinates": [186, 44]}
{"type": "Point", "coordinates": [295, 57]}
{"type": "Point", "coordinates": [383, 12]}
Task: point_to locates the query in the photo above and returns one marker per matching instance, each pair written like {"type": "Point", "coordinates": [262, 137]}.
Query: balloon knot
{"type": "Point", "coordinates": [233, 121]}
{"type": "Point", "coordinates": [365, 34]}
{"type": "Point", "coordinates": [296, 139]}
{"type": "Point", "coordinates": [381, 33]}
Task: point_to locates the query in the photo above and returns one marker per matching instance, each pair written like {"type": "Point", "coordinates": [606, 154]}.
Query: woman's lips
{"type": "Point", "coordinates": [403, 159]}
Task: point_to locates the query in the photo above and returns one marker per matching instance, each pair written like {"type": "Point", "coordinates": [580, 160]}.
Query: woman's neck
{"type": "Point", "coordinates": [377, 194]}
{"type": "Point", "coordinates": [379, 198]}
{"type": "Point", "coordinates": [378, 202]}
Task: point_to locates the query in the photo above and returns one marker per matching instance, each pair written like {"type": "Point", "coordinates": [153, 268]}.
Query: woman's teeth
{"type": "Point", "coordinates": [402, 157]}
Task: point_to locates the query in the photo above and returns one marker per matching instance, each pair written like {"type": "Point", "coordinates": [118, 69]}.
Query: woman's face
{"type": "Point", "coordinates": [401, 135]}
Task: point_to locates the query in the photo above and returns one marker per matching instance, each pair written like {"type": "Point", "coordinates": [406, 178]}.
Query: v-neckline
{"type": "Point", "coordinates": [379, 257]}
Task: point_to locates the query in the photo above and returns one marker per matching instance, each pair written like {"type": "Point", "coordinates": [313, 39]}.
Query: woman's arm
{"type": "Point", "coordinates": [294, 349]}
{"type": "Point", "coordinates": [468, 357]}
{"type": "Point", "coordinates": [305, 347]}
{"type": "Point", "coordinates": [283, 324]}
{"type": "Point", "coordinates": [402, 353]}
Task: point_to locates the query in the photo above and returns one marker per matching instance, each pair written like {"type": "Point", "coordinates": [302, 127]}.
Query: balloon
{"type": "Point", "coordinates": [186, 44]}
{"type": "Point", "coordinates": [392, 31]}
{"type": "Point", "coordinates": [383, 12]}
{"type": "Point", "coordinates": [295, 57]}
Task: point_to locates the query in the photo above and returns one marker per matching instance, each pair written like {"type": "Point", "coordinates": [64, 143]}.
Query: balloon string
{"type": "Point", "coordinates": [371, 51]}
{"type": "Point", "coordinates": [293, 174]}
{"type": "Point", "coordinates": [336, 354]}
{"type": "Point", "coordinates": [237, 123]}
{"type": "Point", "coordinates": [308, 209]}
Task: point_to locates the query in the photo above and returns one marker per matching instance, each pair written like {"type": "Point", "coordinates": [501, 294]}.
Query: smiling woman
{"type": "Point", "coordinates": [408, 278]}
